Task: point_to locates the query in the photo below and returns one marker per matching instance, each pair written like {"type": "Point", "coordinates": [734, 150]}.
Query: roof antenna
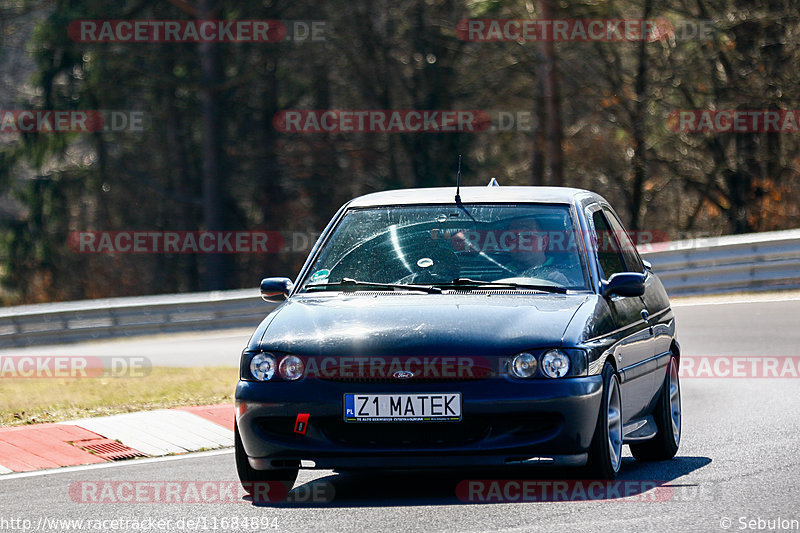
{"type": "Point", "coordinates": [458, 181]}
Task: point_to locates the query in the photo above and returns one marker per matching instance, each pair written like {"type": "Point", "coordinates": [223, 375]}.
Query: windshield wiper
{"type": "Point", "coordinates": [459, 283]}
{"type": "Point", "coordinates": [349, 283]}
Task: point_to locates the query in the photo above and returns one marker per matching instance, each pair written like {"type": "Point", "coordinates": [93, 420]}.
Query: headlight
{"type": "Point", "coordinates": [555, 364]}
{"type": "Point", "coordinates": [291, 367]}
{"type": "Point", "coordinates": [262, 366]}
{"type": "Point", "coordinates": [523, 365]}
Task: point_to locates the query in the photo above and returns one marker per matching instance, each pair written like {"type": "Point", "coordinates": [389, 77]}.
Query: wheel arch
{"type": "Point", "coordinates": [675, 349]}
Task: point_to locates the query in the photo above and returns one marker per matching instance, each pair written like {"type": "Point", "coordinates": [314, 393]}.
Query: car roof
{"type": "Point", "coordinates": [446, 195]}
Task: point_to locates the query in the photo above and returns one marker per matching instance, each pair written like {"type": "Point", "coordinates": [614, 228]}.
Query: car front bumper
{"type": "Point", "coordinates": [504, 421]}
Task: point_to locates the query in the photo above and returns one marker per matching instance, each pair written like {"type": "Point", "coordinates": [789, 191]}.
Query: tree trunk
{"type": "Point", "coordinates": [539, 140]}
{"type": "Point", "coordinates": [213, 202]}
{"type": "Point", "coordinates": [552, 104]}
{"type": "Point", "coordinates": [638, 131]}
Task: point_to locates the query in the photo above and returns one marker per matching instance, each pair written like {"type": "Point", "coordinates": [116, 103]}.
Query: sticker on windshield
{"type": "Point", "coordinates": [425, 262]}
{"type": "Point", "coordinates": [320, 276]}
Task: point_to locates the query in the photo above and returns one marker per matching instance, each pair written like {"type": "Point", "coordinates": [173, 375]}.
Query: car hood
{"type": "Point", "coordinates": [395, 324]}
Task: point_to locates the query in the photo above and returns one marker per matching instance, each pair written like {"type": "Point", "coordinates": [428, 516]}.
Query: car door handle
{"type": "Point", "coordinates": [646, 318]}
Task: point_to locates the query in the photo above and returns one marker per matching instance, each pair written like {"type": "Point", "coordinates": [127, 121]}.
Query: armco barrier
{"type": "Point", "coordinates": [57, 323]}
{"type": "Point", "coordinates": [757, 261]}
{"type": "Point", "coordinates": [710, 265]}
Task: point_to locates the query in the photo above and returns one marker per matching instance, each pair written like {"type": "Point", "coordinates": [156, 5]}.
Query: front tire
{"type": "Point", "coordinates": [668, 418]}
{"type": "Point", "coordinates": [605, 453]}
{"type": "Point", "coordinates": [250, 477]}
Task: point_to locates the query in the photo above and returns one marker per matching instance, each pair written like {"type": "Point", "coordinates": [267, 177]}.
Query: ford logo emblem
{"type": "Point", "coordinates": [403, 374]}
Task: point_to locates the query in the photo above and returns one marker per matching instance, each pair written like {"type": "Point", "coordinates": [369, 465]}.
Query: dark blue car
{"type": "Point", "coordinates": [508, 326]}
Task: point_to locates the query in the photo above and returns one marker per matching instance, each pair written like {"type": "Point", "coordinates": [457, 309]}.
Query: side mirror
{"type": "Point", "coordinates": [275, 289]}
{"type": "Point", "coordinates": [623, 284]}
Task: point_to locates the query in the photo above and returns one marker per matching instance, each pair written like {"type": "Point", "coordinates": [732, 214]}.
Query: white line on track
{"type": "Point", "coordinates": [131, 462]}
{"type": "Point", "coordinates": [676, 302]}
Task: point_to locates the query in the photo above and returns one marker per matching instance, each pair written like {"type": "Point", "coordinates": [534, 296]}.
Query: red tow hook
{"type": "Point", "coordinates": [301, 424]}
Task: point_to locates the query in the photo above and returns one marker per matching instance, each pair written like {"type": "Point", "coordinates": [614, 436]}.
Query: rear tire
{"type": "Point", "coordinates": [605, 453]}
{"type": "Point", "coordinates": [668, 418]}
{"type": "Point", "coordinates": [249, 475]}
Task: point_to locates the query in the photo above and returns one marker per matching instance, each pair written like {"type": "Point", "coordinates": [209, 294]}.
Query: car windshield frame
{"type": "Point", "coordinates": [305, 280]}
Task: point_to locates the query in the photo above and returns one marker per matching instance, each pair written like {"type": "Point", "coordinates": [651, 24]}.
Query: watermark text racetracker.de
{"type": "Point", "coordinates": [196, 31]}
{"type": "Point", "coordinates": [734, 121]}
{"type": "Point", "coordinates": [547, 30]}
{"type": "Point", "coordinates": [190, 242]}
{"type": "Point", "coordinates": [72, 121]}
{"type": "Point", "coordinates": [583, 30]}
{"type": "Point", "coordinates": [403, 120]}
{"type": "Point", "coordinates": [213, 492]}
{"type": "Point", "coordinates": [726, 366]}
{"type": "Point", "coordinates": [575, 490]}
{"type": "Point", "coordinates": [413, 367]}
{"type": "Point", "coordinates": [73, 366]}
{"type": "Point", "coordinates": [524, 239]}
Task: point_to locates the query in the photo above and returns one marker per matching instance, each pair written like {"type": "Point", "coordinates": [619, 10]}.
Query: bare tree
{"type": "Point", "coordinates": [552, 102]}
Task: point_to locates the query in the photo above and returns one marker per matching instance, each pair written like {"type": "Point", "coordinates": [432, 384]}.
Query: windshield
{"type": "Point", "coordinates": [437, 244]}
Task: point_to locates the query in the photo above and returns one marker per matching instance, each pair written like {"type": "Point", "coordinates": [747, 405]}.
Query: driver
{"type": "Point", "coordinates": [527, 249]}
{"type": "Point", "coordinates": [531, 257]}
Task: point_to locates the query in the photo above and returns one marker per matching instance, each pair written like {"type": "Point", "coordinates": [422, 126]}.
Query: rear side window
{"type": "Point", "coordinates": [608, 254]}
{"type": "Point", "coordinates": [632, 260]}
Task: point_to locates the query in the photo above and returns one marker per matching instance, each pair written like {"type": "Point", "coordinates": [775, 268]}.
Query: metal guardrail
{"type": "Point", "coordinates": [757, 261]}
{"type": "Point", "coordinates": [118, 317]}
{"type": "Point", "coordinates": [710, 265]}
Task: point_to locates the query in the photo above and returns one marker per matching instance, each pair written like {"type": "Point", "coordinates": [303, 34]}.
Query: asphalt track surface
{"type": "Point", "coordinates": [738, 465]}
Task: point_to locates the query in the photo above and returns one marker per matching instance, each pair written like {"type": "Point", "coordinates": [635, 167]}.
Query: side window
{"type": "Point", "coordinates": [632, 260]}
{"type": "Point", "coordinates": [607, 248]}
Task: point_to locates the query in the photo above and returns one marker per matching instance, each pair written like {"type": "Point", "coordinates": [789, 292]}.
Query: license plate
{"type": "Point", "coordinates": [417, 407]}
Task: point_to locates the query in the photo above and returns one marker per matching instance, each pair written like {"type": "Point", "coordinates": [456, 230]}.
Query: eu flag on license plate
{"type": "Point", "coordinates": [349, 405]}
